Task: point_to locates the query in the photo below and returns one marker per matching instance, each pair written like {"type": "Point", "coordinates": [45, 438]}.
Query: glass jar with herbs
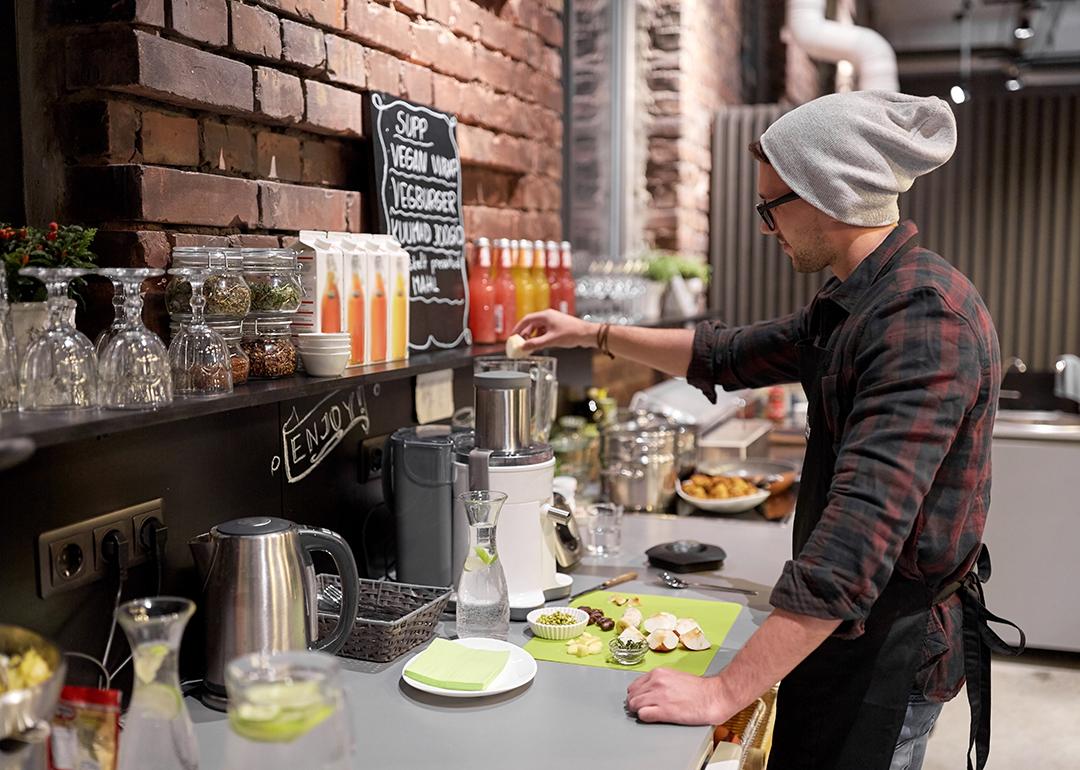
{"type": "Point", "coordinates": [273, 275]}
{"type": "Point", "coordinates": [226, 292]}
{"type": "Point", "coordinates": [268, 344]}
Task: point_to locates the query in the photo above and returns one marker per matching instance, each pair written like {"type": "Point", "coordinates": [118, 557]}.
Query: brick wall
{"type": "Point", "coordinates": [187, 122]}
{"type": "Point", "coordinates": [693, 52]}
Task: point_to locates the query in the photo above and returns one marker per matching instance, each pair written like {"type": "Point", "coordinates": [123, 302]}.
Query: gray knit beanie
{"type": "Point", "coordinates": [851, 155]}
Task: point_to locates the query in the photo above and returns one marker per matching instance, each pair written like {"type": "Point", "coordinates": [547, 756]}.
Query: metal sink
{"type": "Point", "coordinates": [1036, 423]}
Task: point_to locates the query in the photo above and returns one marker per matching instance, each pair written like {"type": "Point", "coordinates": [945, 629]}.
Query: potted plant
{"type": "Point", "coordinates": [680, 280]}
{"type": "Point", "coordinates": [54, 246]}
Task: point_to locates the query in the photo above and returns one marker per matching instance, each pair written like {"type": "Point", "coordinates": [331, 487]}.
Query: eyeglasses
{"type": "Point", "coordinates": [764, 208]}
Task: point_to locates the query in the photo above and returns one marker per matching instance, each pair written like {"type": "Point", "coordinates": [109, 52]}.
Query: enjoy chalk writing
{"type": "Point", "coordinates": [306, 440]}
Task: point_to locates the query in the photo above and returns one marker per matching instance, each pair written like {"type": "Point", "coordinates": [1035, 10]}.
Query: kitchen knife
{"type": "Point", "coordinates": [625, 577]}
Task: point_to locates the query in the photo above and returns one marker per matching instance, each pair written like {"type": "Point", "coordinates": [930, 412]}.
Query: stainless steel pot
{"type": "Point", "coordinates": [639, 464]}
{"type": "Point", "coordinates": [686, 435]}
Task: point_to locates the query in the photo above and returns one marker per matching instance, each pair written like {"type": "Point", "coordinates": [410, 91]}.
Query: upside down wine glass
{"type": "Point", "coordinates": [59, 370]}
{"type": "Point", "coordinates": [9, 370]}
{"type": "Point", "coordinates": [118, 312]}
{"type": "Point", "coordinates": [198, 356]}
{"type": "Point", "coordinates": [134, 363]}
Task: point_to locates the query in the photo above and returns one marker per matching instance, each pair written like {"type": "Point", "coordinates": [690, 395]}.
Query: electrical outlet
{"type": "Point", "coordinates": [140, 515]}
{"type": "Point", "coordinates": [71, 556]}
{"type": "Point", "coordinates": [371, 459]}
{"type": "Point", "coordinates": [121, 526]}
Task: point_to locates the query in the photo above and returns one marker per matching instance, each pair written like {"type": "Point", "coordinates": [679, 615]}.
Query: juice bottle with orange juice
{"type": "Point", "coordinates": [523, 281]}
{"type": "Point", "coordinates": [539, 275]}
{"type": "Point", "coordinates": [504, 312]}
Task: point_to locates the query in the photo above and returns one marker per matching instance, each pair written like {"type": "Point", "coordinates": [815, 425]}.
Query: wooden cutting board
{"type": "Point", "coordinates": [715, 618]}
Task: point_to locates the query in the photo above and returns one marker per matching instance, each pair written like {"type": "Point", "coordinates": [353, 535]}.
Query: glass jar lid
{"type": "Point", "coordinates": [215, 258]}
{"type": "Point", "coordinates": [229, 328]}
{"type": "Point", "coordinates": [270, 260]}
{"type": "Point", "coordinates": [267, 327]}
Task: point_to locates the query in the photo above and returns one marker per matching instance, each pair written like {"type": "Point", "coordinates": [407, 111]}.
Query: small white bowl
{"type": "Point", "coordinates": [321, 344]}
{"type": "Point", "coordinates": [545, 631]}
{"type": "Point", "coordinates": [325, 364]}
{"type": "Point", "coordinates": [324, 349]}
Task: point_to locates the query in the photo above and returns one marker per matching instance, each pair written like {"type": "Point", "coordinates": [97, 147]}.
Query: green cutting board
{"type": "Point", "coordinates": [715, 619]}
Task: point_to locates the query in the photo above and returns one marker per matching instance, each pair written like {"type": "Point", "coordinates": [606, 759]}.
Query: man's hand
{"type": "Point", "coordinates": [552, 329]}
{"type": "Point", "coordinates": [665, 695]}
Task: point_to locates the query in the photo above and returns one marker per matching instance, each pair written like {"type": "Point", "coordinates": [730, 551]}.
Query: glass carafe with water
{"type": "Point", "coordinates": [287, 711]}
{"type": "Point", "coordinates": [483, 603]}
{"type": "Point", "coordinates": [157, 728]}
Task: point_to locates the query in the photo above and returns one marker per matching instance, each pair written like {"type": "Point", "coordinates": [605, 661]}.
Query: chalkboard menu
{"type": "Point", "coordinates": [418, 200]}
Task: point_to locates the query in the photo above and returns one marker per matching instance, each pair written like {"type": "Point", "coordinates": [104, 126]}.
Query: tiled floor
{"type": "Point", "coordinates": [1036, 711]}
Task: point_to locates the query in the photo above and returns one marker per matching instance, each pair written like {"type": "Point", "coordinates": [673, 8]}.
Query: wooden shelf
{"type": "Point", "coordinates": [48, 428]}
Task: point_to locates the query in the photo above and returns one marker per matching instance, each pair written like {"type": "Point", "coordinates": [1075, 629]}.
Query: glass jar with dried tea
{"type": "Point", "coordinates": [273, 275]}
{"type": "Point", "coordinates": [225, 290]}
{"type": "Point", "coordinates": [268, 344]}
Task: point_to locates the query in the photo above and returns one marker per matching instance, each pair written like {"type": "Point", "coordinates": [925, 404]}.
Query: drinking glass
{"type": "Point", "coordinates": [483, 602]}
{"type": "Point", "coordinates": [118, 314]}
{"type": "Point", "coordinates": [198, 356]}
{"type": "Point", "coordinates": [9, 369]}
{"type": "Point", "coordinates": [134, 364]}
{"type": "Point", "coordinates": [287, 711]}
{"type": "Point", "coordinates": [603, 526]}
{"type": "Point", "coordinates": [59, 370]}
{"type": "Point", "coordinates": [157, 729]}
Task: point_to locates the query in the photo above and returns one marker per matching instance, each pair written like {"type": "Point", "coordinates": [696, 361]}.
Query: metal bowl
{"type": "Point", "coordinates": [23, 711]}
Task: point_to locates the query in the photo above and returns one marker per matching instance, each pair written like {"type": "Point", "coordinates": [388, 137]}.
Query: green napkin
{"type": "Point", "coordinates": [457, 667]}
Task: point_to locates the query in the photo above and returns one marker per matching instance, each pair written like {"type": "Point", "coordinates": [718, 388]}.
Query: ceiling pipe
{"type": "Point", "coordinates": [870, 53]}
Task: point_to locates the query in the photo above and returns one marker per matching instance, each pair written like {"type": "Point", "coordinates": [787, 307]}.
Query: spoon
{"type": "Point", "coordinates": [671, 581]}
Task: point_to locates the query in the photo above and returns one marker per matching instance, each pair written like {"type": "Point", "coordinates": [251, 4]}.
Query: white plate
{"type": "Point", "coordinates": [726, 505]}
{"type": "Point", "coordinates": [519, 670]}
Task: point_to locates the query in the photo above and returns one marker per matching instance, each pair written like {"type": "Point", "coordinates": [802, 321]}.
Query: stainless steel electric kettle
{"type": "Point", "coordinates": [259, 592]}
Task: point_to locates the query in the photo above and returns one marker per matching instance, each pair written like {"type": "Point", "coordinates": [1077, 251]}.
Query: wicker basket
{"type": "Point", "coordinates": [391, 618]}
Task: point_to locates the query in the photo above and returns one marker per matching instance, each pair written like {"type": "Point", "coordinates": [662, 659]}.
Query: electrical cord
{"type": "Point", "coordinates": [114, 549]}
{"type": "Point", "coordinates": [153, 535]}
{"type": "Point", "coordinates": [95, 661]}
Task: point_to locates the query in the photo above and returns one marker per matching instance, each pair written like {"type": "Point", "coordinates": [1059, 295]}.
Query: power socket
{"type": "Point", "coordinates": [71, 556]}
{"type": "Point", "coordinates": [371, 460]}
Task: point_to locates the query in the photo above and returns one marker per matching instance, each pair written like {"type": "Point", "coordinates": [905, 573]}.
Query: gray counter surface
{"type": "Point", "coordinates": [576, 711]}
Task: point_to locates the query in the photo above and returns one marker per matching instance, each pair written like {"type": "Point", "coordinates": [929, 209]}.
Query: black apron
{"type": "Point", "coordinates": [842, 707]}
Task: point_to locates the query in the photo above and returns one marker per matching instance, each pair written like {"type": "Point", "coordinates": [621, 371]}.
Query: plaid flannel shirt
{"type": "Point", "coordinates": [910, 395]}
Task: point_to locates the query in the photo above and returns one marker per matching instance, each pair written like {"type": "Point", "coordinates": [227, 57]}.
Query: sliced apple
{"type": "Point", "coordinates": [661, 621]}
{"type": "Point", "coordinates": [695, 640]}
{"type": "Point", "coordinates": [619, 601]}
{"type": "Point", "coordinates": [685, 625]}
{"type": "Point", "coordinates": [631, 634]}
{"type": "Point", "coordinates": [630, 618]}
{"type": "Point", "coordinates": [663, 640]}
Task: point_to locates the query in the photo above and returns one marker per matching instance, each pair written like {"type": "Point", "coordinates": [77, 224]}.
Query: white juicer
{"type": "Point", "coordinates": [497, 455]}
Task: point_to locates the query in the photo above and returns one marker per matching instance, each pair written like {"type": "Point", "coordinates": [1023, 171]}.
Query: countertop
{"type": "Point", "coordinates": [578, 711]}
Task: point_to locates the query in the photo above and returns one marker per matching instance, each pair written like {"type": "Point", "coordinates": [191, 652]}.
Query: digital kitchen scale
{"type": "Point", "coordinates": [686, 556]}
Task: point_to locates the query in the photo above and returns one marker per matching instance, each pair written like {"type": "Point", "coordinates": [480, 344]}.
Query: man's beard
{"type": "Point", "coordinates": [813, 256]}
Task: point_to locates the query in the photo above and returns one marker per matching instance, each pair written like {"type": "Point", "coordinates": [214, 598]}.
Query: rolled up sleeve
{"type": "Point", "coordinates": [916, 371]}
{"type": "Point", "coordinates": [739, 357]}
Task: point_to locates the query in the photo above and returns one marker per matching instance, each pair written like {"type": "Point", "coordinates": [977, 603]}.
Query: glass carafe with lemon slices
{"type": "Point", "coordinates": [157, 728]}
{"type": "Point", "coordinates": [483, 604]}
{"type": "Point", "coordinates": [287, 711]}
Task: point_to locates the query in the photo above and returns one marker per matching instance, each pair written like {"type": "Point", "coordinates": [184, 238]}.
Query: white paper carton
{"type": "Point", "coordinates": [322, 308]}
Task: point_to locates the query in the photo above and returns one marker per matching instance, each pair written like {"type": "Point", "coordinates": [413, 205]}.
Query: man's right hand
{"type": "Point", "coordinates": [552, 329]}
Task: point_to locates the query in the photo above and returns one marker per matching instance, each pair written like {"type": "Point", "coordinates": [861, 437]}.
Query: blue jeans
{"type": "Point", "coordinates": [911, 745]}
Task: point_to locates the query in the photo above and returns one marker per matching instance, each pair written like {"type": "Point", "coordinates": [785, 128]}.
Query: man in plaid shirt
{"type": "Point", "coordinates": [900, 363]}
